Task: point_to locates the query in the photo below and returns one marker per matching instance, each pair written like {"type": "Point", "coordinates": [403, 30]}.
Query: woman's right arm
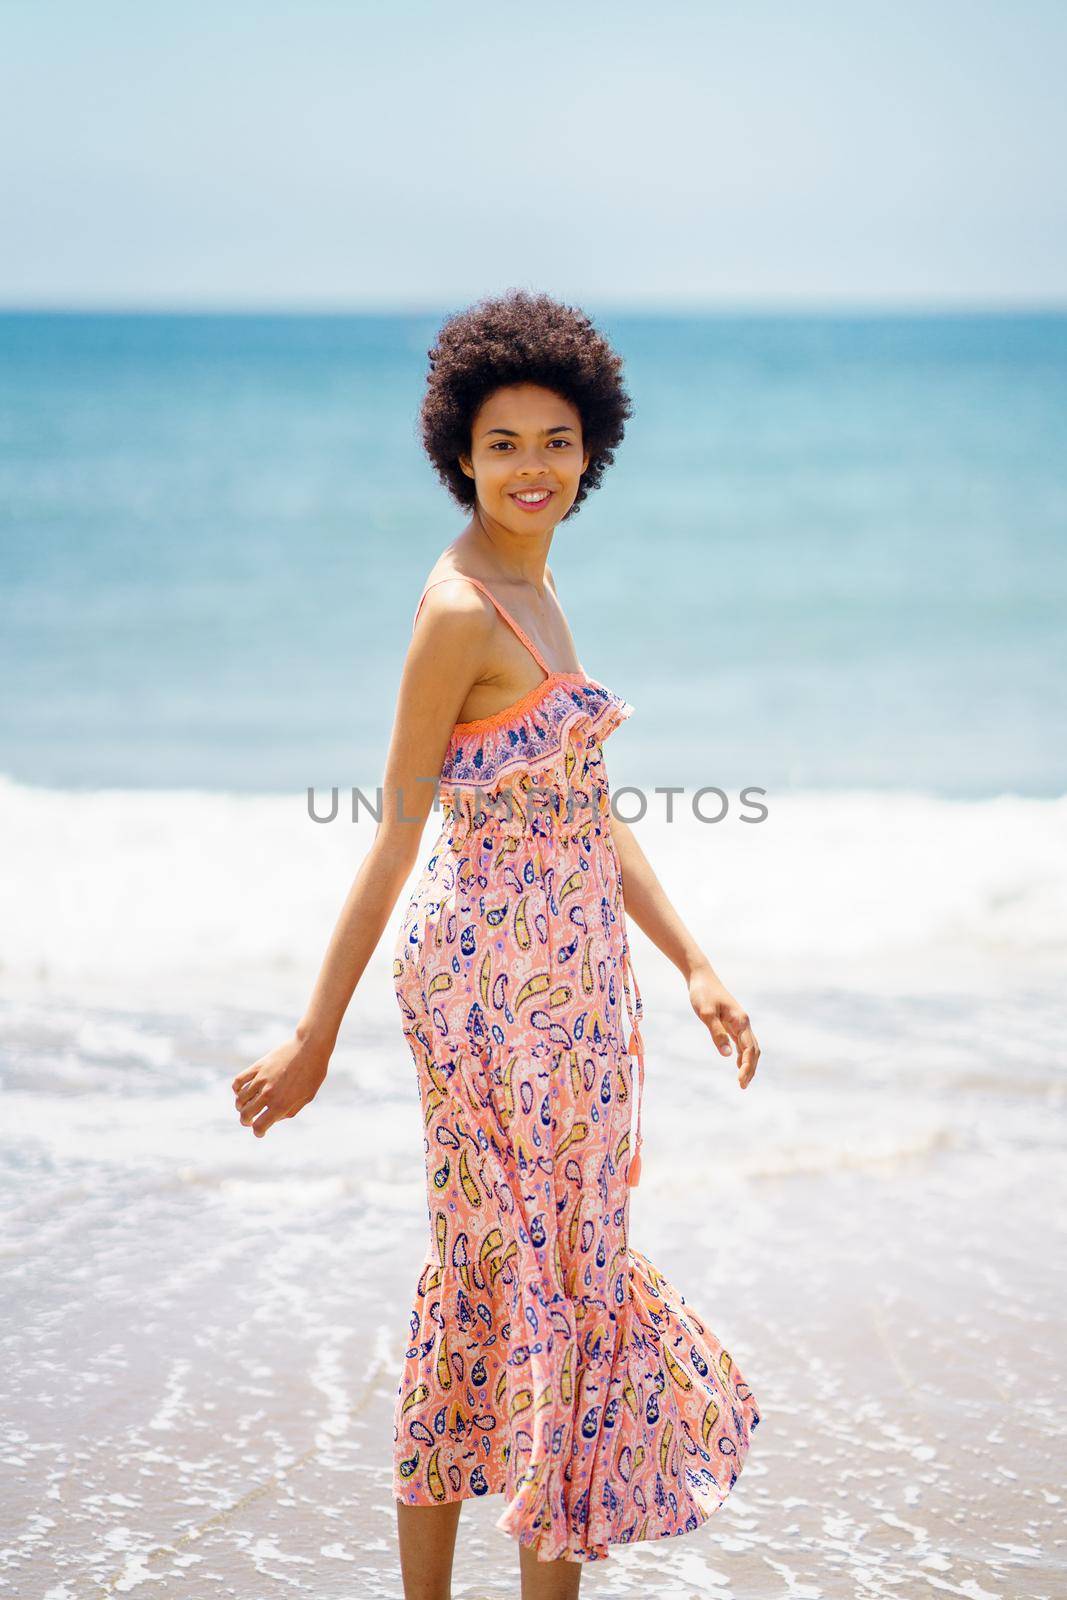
{"type": "Point", "coordinates": [444, 659]}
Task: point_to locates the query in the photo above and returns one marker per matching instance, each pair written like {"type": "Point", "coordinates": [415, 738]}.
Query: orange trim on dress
{"type": "Point", "coordinates": [532, 696]}
{"type": "Point", "coordinates": [529, 698]}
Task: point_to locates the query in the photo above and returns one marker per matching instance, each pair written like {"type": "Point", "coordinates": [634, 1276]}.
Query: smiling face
{"type": "Point", "coordinates": [527, 456]}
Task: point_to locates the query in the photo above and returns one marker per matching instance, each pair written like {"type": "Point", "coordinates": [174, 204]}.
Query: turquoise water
{"type": "Point", "coordinates": [832, 551]}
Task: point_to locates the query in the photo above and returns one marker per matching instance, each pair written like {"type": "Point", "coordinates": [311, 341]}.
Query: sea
{"type": "Point", "coordinates": [828, 569]}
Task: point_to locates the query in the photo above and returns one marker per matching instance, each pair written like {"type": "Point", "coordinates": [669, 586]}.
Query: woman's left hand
{"type": "Point", "coordinates": [726, 1020]}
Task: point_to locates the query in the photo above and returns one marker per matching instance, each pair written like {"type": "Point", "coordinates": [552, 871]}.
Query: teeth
{"type": "Point", "coordinates": [534, 494]}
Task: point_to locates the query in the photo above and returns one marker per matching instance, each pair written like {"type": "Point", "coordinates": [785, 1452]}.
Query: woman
{"type": "Point", "coordinates": [547, 1360]}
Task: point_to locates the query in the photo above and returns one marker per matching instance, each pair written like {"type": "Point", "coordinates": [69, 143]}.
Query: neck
{"type": "Point", "coordinates": [518, 557]}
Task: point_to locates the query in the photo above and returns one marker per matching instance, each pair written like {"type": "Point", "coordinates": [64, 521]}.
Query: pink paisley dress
{"type": "Point", "coordinates": [547, 1360]}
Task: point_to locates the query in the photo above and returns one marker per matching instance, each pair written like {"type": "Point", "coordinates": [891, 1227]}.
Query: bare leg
{"type": "Point", "coordinates": [548, 1580]}
{"type": "Point", "coordinates": [427, 1537]}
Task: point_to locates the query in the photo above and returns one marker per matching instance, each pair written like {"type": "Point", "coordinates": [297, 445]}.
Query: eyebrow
{"type": "Point", "coordinates": [561, 427]}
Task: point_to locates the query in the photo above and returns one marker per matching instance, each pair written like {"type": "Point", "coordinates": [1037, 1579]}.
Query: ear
{"type": "Point", "coordinates": [585, 461]}
{"type": "Point", "coordinates": [466, 466]}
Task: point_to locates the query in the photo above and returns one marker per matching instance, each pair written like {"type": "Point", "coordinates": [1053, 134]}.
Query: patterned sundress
{"type": "Point", "coordinates": [547, 1359]}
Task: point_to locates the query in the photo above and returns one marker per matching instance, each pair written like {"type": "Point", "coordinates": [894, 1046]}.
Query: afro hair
{"type": "Point", "coordinates": [520, 337]}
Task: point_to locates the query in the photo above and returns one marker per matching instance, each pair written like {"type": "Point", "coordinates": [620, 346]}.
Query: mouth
{"type": "Point", "coordinates": [532, 499]}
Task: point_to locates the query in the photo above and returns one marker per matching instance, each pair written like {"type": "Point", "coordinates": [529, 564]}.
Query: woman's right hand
{"type": "Point", "coordinates": [280, 1084]}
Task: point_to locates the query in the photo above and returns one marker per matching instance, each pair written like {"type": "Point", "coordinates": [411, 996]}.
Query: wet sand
{"type": "Point", "coordinates": [202, 1332]}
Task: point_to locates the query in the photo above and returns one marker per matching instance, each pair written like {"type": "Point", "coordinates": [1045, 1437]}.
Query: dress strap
{"type": "Point", "coordinates": [635, 1047]}
{"type": "Point", "coordinates": [508, 618]}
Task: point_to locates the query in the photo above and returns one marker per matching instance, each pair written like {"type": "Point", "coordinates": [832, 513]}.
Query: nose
{"type": "Point", "coordinates": [532, 463]}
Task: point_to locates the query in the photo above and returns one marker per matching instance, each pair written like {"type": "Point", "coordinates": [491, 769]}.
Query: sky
{"type": "Point", "coordinates": [328, 156]}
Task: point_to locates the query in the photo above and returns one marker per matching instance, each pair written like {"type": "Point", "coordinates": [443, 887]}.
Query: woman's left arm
{"type": "Point", "coordinates": [646, 902]}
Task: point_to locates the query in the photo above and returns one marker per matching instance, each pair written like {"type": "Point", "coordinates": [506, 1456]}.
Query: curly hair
{"type": "Point", "coordinates": [520, 337]}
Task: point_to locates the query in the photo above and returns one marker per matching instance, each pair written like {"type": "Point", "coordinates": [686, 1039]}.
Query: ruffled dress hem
{"type": "Point", "coordinates": [663, 1394]}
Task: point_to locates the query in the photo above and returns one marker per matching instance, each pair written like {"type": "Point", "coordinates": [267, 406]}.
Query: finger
{"type": "Point", "coordinates": [267, 1120]}
{"type": "Point", "coordinates": [737, 1024]}
{"type": "Point", "coordinates": [254, 1107]}
{"type": "Point", "coordinates": [243, 1077]}
{"type": "Point", "coordinates": [720, 1035]}
{"type": "Point", "coordinates": [248, 1092]}
{"type": "Point", "coordinates": [750, 1054]}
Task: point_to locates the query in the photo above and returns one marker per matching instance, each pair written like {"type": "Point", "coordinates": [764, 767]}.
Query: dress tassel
{"type": "Point", "coordinates": [636, 1048]}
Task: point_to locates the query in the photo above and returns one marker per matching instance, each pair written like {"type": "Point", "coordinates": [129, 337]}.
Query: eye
{"type": "Point", "coordinates": [505, 444]}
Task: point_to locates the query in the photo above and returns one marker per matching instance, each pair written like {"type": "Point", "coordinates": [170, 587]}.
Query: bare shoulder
{"type": "Point", "coordinates": [453, 607]}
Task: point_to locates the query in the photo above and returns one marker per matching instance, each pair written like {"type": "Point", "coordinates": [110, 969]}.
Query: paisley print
{"type": "Point", "coordinates": [547, 1360]}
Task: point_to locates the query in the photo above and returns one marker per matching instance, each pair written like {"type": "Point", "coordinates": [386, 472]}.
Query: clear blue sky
{"type": "Point", "coordinates": [331, 155]}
